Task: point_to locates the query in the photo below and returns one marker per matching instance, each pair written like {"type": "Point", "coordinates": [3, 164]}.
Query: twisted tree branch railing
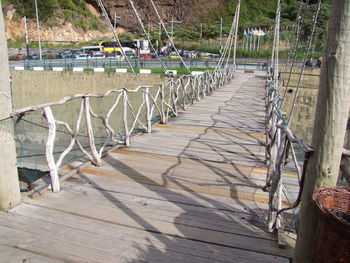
{"type": "Point", "coordinates": [162, 100]}
{"type": "Point", "coordinates": [281, 143]}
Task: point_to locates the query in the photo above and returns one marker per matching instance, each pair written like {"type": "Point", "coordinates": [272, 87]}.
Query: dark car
{"type": "Point", "coordinates": [153, 54]}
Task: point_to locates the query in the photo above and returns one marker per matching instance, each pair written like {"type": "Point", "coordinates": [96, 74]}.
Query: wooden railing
{"type": "Point", "coordinates": [281, 146]}
{"type": "Point", "coordinates": [160, 101]}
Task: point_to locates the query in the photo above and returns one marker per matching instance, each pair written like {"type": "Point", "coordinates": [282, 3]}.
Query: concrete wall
{"type": "Point", "coordinates": [302, 118]}
{"type": "Point", "coordinates": [36, 87]}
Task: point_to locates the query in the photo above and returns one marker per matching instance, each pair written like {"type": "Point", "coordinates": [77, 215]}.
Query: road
{"type": "Point", "coordinates": [242, 63]}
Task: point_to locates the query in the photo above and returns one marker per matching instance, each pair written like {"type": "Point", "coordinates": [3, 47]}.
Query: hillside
{"type": "Point", "coordinates": [80, 20]}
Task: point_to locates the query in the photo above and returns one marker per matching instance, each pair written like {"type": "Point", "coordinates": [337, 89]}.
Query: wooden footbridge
{"type": "Point", "coordinates": [190, 191]}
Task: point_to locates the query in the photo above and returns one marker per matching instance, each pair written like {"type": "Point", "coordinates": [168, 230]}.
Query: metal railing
{"type": "Point", "coordinates": [111, 63]}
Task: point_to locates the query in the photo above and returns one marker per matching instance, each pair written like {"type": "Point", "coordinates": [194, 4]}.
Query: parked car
{"type": "Point", "coordinates": [153, 54]}
{"type": "Point", "coordinates": [173, 55]}
{"type": "Point", "coordinates": [35, 56]}
{"type": "Point", "coordinates": [98, 55]}
{"type": "Point", "coordinates": [204, 55]}
{"type": "Point", "coordinates": [113, 54]}
{"type": "Point", "coordinates": [144, 56]}
{"type": "Point", "coordinates": [130, 54]}
{"type": "Point", "coordinates": [82, 56]}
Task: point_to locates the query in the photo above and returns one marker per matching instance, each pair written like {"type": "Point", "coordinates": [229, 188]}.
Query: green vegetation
{"type": "Point", "coordinates": [57, 12]}
{"type": "Point", "coordinates": [254, 13]}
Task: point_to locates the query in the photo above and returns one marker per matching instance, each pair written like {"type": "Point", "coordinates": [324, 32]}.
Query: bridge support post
{"type": "Point", "coordinates": [9, 184]}
{"type": "Point", "coordinates": [329, 127]}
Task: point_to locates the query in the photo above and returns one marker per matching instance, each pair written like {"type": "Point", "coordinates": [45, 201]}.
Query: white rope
{"type": "Point", "coordinates": [297, 43]}
{"type": "Point", "coordinates": [223, 55]}
{"type": "Point", "coordinates": [170, 39]}
{"type": "Point", "coordinates": [305, 57]}
{"type": "Point", "coordinates": [145, 32]}
{"type": "Point", "coordinates": [236, 33]}
{"type": "Point", "coordinates": [105, 14]}
{"type": "Point", "coordinates": [234, 36]}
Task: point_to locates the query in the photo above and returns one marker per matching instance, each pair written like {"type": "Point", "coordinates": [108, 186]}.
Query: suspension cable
{"type": "Point", "coordinates": [278, 24]}
{"type": "Point", "coordinates": [317, 11]}
{"type": "Point", "coordinates": [236, 33]}
{"type": "Point", "coordinates": [170, 39]}
{"type": "Point", "coordinates": [145, 32]}
{"type": "Point", "coordinates": [233, 36]}
{"type": "Point", "coordinates": [296, 27]}
{"type": "Point", "coordinates": [105, 14]}
{"type": "Point", "coordinates": [223, 55]}
{"type": "Point", "coordinates": [297, 43]}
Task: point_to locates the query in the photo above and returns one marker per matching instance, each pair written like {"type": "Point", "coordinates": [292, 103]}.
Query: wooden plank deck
{"type": "Point", "coordinates": [188, 192]}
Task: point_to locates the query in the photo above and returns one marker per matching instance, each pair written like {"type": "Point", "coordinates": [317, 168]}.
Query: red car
{"type": "Point", "coordinates": [144, 56]}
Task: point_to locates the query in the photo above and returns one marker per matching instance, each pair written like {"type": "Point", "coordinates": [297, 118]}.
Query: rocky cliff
{"type": "Point", "coordinates": [61, 29]}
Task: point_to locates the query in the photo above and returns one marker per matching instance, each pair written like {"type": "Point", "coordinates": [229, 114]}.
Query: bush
{"type": "Point", "coordinates": [14, 58]}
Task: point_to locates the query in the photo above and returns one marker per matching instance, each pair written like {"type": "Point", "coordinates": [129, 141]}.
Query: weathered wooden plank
{"type": "Point", "coordinates": [235, 144]}
{"type": "Point", "coordinates": [195, 130]}
{"type": "Point", "coordinates": [197, 155]}
{"type": "Point", "coordinates": [229, 190]}
{"type": "Point", "coordinates": [193, 168]}
{"type": "Point", "coordinates": [176, 196]}
{"type": "Point", "coordinates": [111, 212]}
{"type": "Point", "coordinates": [217, 138]}
{"type": "Point", "coordinates": [205, 150]}
{"type": "Point", "coordinates": [173, 202]}
{"type": "Point", "coordinates": [199, 170]}
{"type": "Point", "coordinates": [234, 223]}
{"type": "Point", "coordinates": [43, 244]}
{"type": "Point", "coordinates": [143, 238]}
{"type": "Point", "coordinates": [13, 255]}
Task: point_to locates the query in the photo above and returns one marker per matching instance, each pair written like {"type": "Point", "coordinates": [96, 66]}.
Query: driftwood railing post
{"type": "Point", "coordinates": [55, 183]}
{"type": "Point", "coordinates": [148, 109]}
{"type": "Point", "coordinates": [95, 156]}
{"type": "Point", "coordinates": [163, 119]}
{"type": "Point", "coordinates": [173, 99]}
{"type": "Point", "coordinates": [125, 118]}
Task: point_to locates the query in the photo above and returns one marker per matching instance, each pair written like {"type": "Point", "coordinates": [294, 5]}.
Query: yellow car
{"type": "Point", "coordinates": [173, 55]}
{"type": "Point", "coordinates": [204, 55]}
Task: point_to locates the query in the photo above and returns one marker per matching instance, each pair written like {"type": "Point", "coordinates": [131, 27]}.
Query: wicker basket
{"type": "Point", "coordinates": [332, 238]}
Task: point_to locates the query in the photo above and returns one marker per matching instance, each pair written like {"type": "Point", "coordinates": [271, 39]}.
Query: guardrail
{"type": "Point", "coordinates": [112, 63]}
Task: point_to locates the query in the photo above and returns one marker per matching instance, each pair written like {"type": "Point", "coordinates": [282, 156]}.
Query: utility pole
{"type": "Point", "coordinates": [172, 27]}
{"type": "Point", "coordinates": [9, 185]}
{"type": "Point", "coordinates": [329, 127]}
{"type": "Point", "coordinates": [160, 36]}
{"type": "Point", "coordinates": [26, 34]}
{"type": "Point", "coordinates": [115, 20]}
{"type": "Point", "coordinates": [221, 22]}
{"type": "Point", "coordinates": [220, 34]}
{"type": "Point", "coordinates": [201, 32]}
{"type": "Point", "coordinates": [148, 28]}
{"type": "Point", "coordinates": [38, 28]}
